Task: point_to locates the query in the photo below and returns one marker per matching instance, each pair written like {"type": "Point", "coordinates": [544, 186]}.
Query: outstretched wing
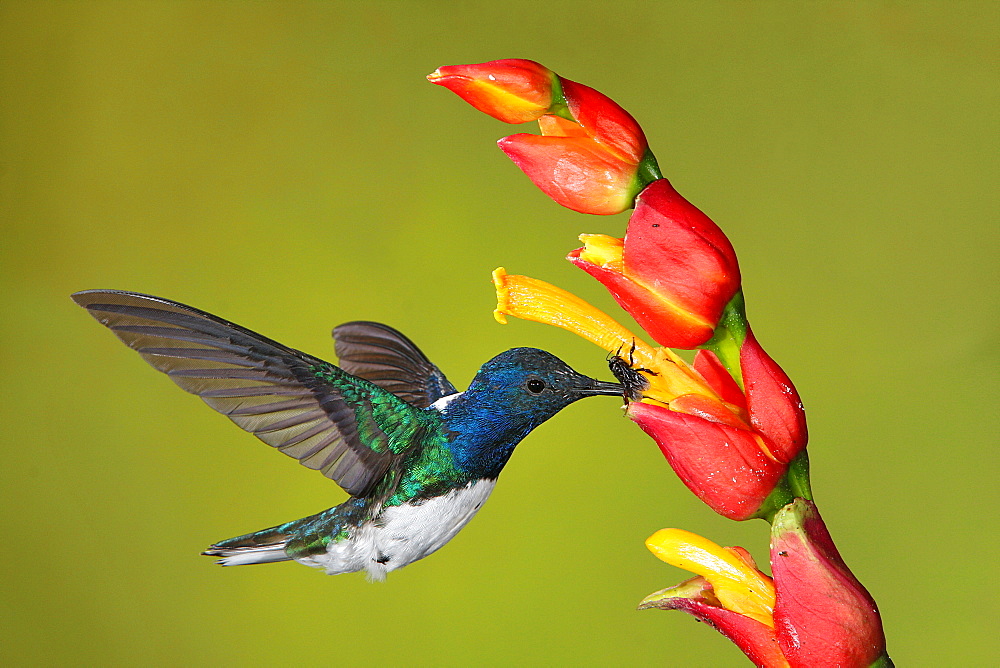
{"type": "Point", "coordinates": [311, 410]}
{"type": "Point", "coordinates": [384, 356]}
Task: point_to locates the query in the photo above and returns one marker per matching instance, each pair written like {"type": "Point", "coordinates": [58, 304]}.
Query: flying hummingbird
{"type": "Point", "coordinates": [417, 457]}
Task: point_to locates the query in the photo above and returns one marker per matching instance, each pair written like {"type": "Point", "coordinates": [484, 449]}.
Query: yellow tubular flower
{"type": "Point", "coordinates": [668, 375]}
{"type": "Point", "coordinates": [736, 582]}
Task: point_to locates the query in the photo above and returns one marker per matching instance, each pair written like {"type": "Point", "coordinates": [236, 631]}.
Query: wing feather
{"type": "Point", "coordinates": [384, 356]}
{"type": "Point", "coordinates": [305, 407]}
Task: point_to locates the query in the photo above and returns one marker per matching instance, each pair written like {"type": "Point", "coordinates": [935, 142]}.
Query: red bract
{"type": "Point", "coordinates": [512, 90]}
{"type": "Point", "coordinates": [588, 164]}
{"type": "Point", "coordinates": [587, 156]}
{"type": "Point", "coordinates": [604, 121]}
{"type": "Point", "coordinates": [725, 467]}
{"type": "Point", "coordinates": [733, 458]}
{"type": "Point", "coordinates": [674, 271]}
{"type": "Point", "coordinates": [695, 597]}
{"type": "Point", "coordinates": [774, 406]}
{"type": "Point", "coordinates": [575, 172]}
{"type": "Point", "coordinates": [823, 616]}
{"type": "Point", "coordinates": [730, 593]}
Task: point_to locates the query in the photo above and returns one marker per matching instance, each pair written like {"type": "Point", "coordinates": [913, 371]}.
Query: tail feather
{"type": "Point", "coordinates": [248, 555]}
{"type": "Point", "coordinates": [260, 547]}
{"type": "Point", "coordinates": [291, 540]}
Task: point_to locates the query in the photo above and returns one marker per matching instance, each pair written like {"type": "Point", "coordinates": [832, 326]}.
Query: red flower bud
{"type": "Point", "coordinates": [823, 617]}
{"type": "Point", "coordinates": [587, 162]}
{"type": "Point", "coordinates": [589, 165]}
{"type": "Point", "coordinates": [674, 271]}
{"type": "Point", "coordinates": [512, 90]}
{"type": "Point", "coordinates": [732, 453]}
{"type": "Point", "coordinates": [726, 467]}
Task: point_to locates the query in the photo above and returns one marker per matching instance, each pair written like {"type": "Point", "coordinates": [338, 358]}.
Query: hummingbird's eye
{"type": "Point", "coordinates": [535, 386]}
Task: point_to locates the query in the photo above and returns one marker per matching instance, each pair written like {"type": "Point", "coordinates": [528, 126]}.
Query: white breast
{"type": "Point", "coordinates": [403, 534]}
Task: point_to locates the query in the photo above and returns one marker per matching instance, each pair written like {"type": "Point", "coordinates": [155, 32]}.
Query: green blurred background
{"type": "Point", "coordinates": [286, 165]}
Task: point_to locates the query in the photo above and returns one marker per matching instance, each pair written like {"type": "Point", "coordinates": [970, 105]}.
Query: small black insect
{"type": "Point", "coordinates": [633, 382]}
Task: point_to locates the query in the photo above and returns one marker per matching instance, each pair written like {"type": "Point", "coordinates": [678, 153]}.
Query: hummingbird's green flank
{"type": "Point", "coordinates": [417, 457]}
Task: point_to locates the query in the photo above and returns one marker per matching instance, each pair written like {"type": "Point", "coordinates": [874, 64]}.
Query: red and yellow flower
{"type": "Point", "coordinates": [730, 446]}
{"type": "Point", "coordinates": [729, 592]}
{"type": "Point", "coordinates": [674, 271]}
{"type": "Point", "coordinates": [512, 90]}
{"type": "Point", "coordinates": [588, 155]}
{"type": "Point", "coordinates": [813, 612]}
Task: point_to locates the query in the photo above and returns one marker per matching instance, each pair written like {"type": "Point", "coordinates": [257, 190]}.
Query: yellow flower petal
{"type": "Point", "coordinates": [532, 299]}
{"type": "Point", "coordinates": [737, 584]}
{"type": "Point", "coordinates": [556, 126]}
{"type": "Point", "coordinates": [604, 251]}
{"type": "Point", "coordinates": [528, 298]}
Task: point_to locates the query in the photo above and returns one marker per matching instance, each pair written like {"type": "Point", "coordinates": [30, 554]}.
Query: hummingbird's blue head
{"type": "Point", "coordinates": [532, 382]}
{"type": "Point", "coordinates": [512, 394]}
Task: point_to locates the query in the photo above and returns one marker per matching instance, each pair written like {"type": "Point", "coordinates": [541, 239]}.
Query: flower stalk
{"type": "Point", "coordinates": [730, 424]}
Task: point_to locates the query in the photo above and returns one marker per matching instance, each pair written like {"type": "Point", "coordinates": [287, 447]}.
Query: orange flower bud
{"type": "Point", "coordinates": [512, 90]}
{"type": "Point", "coordinates": [588, 154]}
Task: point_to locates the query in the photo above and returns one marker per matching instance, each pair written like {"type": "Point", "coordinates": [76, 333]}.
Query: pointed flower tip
{"type": "Point", "coordinates": [666, 599]}
{"type": "Point", "coordinates": [513, 90]}
{"type": "Point", "coordinates": [696, 598]}
{"type": "Point", "coordinates": [601, 250]}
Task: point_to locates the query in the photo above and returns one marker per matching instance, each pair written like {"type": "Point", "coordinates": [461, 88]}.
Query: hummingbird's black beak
{"type": "Point", "coordinates": [594, 387]}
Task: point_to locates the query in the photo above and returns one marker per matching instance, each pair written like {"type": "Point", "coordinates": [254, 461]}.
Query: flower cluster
{"type": "Point", "coordinates": [813, 612]}
{"type": "Point", "coordinates": [590, 150]}
{"type": "Point", "coordinates": [730, 424]}
{"type": "Point", "coordinates": [730, 445]}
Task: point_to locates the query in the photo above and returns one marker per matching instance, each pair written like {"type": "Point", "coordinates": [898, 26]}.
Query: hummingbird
{"type": "Point", "coordinates": [417, 457]}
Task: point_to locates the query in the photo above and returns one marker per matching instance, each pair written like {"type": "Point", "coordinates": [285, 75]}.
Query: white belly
{"type": "Point", "coordinates": [403, 534]}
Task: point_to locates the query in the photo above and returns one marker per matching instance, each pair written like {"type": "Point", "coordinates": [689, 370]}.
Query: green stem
{"type": "Point", "coordinates": [798, 476]}
{"type": "Point", "coordinates": [779, 497]}
{"type": "Point", "coordinates": [647, 172]}
{"type": "Point", "coordinates": [883, 662]}
{"type": "Point", "coordinates": [729, 336]}
{"type": "Point", "coordinates": [794, 484]}
{"type": "Point", "coordinates": [559, 106]}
